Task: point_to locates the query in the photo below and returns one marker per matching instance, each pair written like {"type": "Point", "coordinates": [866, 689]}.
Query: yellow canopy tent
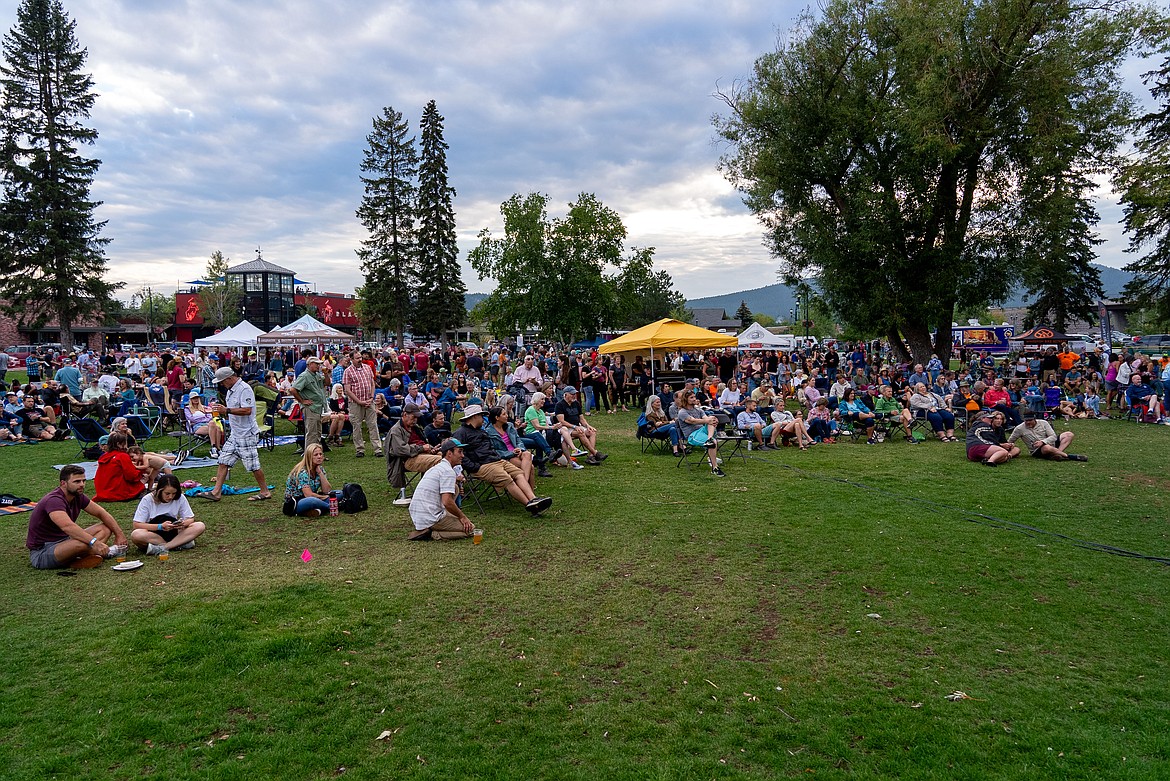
{"type": "Point", "coordinates": [667, 334]}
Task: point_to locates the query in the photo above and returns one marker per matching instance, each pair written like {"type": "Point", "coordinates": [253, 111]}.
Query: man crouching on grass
{"type": "Point", "coordinates": [56, 541]}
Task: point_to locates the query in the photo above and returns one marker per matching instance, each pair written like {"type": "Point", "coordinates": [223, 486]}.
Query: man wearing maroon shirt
{"type": "Point", "coordinates": [56, 541]}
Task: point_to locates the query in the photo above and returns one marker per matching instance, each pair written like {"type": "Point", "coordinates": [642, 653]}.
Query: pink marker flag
{"type": "Point", "coordinates": [306, 556]}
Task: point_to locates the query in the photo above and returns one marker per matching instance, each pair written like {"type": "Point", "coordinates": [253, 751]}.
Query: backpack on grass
{"type": "Point", "coordinates": [353, 499]}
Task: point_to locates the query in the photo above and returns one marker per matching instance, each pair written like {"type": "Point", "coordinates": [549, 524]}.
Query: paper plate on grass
{"type": "Point", "coordinates": [127, 566]}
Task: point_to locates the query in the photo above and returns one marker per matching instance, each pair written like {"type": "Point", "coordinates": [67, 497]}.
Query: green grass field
{"type": "Point", "coordinates": [657, 623]}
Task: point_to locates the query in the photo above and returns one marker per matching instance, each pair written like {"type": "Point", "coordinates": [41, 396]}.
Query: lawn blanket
{"type": "Point", "coordinates": [90, 467]}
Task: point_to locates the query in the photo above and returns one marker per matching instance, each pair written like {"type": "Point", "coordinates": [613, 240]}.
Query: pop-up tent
{"type": "Point", "coordinates": [304, 331]}
{"type": "Point", "coordinates": [666, 334]}
{"type": "Point", "coordinates": [244, 334]}
{"type": "Point", "coordinates": [756, 337]}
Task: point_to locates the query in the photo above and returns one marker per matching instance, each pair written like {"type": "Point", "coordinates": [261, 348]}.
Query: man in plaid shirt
{"type": "Point", "coordinates": [358, 383]}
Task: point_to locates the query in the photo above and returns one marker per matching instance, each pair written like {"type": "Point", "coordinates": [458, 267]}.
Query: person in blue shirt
{"type": "Point", "coordinates": [1143, 394]}
{"type": "Point", "coordinates": [855, 412]}
{"type": "Point", "coordinates": [69, 376]}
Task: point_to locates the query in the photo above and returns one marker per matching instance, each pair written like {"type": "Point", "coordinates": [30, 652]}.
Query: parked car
{"type": "Point", "coordinates": [1152, 344]}
{"type": "Point", "coordinates": [469, 346]}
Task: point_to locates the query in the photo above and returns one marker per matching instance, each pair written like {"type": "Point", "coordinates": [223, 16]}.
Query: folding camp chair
{"type": "Point", "coordinates": [86, 431]}
{"type": "Point", "coordinates": [159, 398]}
{"type": "Point", "coordinates": [480, 491]}
{"type": "Point", "coordinates": [264, 424]}
{"type": "Point", "coordinates": [139, 428]}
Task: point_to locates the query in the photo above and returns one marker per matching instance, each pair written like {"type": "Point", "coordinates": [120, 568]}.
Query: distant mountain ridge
{"type": "Point", "coordinates": [777, 300]}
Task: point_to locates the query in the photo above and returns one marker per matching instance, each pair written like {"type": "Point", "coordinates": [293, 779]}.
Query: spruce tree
{"type": "Point", "coordinates": [52, 262]}
{"type": "Point", "coordinates": [387, 211]}
{"type": "Point", "coordinates": [441, 289]}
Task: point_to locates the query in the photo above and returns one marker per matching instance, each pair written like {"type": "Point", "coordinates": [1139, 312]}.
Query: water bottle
{"type": "Point", "coordinates": [332, 504]}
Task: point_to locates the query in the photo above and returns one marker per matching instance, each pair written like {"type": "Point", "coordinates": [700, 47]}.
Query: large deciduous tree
{"type": "Point", "coordinates": [439, 305]}
{"type": "Point", "coordinates": [889, 148]}
{"type": "Point", "coordinates": [389, 255]}
{"type": "Point", "coordinates": [643, 294]}
{"type": "Point", "coordinates": [52, 262]}
{"type": "Point", "coordinates": [551, 274]}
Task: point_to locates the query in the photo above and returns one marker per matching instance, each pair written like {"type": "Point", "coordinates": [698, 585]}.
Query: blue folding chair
{"type": "Point", "coordinates": [86, 431]}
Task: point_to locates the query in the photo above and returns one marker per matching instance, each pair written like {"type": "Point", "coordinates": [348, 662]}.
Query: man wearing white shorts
{"type": "Point", "coordinates": [243, 440]}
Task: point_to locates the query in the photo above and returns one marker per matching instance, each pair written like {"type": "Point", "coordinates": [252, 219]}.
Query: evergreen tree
{"type": "Point", "coordinates": [743, 314]}
{"type": "Point", "coordinates": [440, 292]}
{"type": "Point", "coordinates": [52, 262]}
{"type": "Point", "coordinates": [387, 211]}
{"type": "Point", "coordinates": [1144, 182]}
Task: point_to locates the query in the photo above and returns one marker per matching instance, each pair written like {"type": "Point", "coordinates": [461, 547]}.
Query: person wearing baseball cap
{"type": "Point", "coordinates": [568, 414]}
{"type": "Point", "coordinates": [433, 509]}
{"type": "Point", "coordinates": [407, 449]}
{"type": "Point", "coordinates": [481, 460]}
{"type": "Point", "coordinates": [243, 441]}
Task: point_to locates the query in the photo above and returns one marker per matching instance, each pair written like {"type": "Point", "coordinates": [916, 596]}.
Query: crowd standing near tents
{"type": "Point", "coordinates": [693, 389]}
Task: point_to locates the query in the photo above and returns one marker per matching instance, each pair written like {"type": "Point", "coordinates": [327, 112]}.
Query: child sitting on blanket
{"type": "Point", "coordinates": [151, 463]}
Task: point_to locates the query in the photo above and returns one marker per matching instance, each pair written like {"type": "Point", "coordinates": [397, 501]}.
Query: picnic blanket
{"type": "Point", "coordinates": [227, 490]}
{"type": "Point", "coordinates": [8, 442]}
{"type": "Point", "coordinates": [11, 504]}
{"type": "Point", "coordinates": [90, 467]}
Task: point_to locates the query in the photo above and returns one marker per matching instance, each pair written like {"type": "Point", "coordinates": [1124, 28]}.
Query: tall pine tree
{"type": "Point", "coordinates": [52, 262]}
{"type": "Point", "coordinates": [387, 211]}
{"type": "Point", "coordinates": [441, 289]}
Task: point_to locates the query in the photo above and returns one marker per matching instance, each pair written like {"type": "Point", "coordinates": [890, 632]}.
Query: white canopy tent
{"type": "Point", "coordinates": [243, 334]}
{"type": "Point", "coordinates": [756, 337]}
{"type": "Point", "coordinates": [303, 331]}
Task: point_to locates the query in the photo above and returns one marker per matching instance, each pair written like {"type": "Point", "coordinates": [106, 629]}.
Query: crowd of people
{"type": "Point", "coordinates": [522, 412]}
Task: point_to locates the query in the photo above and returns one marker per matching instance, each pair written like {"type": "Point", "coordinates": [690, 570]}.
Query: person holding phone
{"type": "Point", "coordinates": [164, 520]}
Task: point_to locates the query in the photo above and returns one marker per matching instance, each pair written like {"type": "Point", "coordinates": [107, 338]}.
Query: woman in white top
{"type": "Point", "coordinates": [164, 520]}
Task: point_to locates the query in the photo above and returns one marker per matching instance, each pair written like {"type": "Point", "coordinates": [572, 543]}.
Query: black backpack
{"type": "Point", "coordinates": [353, 499]}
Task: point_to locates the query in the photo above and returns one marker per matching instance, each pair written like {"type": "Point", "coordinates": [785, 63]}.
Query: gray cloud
{"type": "Point", "coordinates": [227, 125]}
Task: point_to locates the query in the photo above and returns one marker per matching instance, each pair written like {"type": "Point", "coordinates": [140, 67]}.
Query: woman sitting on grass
{"type": "Point", "coordinates": [164, 520]}
{"type": "Point", "coordinates": [820, 422]}
{"type": "Point", "coordinates": [118, 478]}
{"type": "Point", "coordinates": [308, 484]}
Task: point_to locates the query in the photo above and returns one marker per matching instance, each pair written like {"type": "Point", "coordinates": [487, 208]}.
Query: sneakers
{"type": "Point", "coordinates": [188, 545]}
{"type": "Point", "coordinates": [871, 441]}
{"type": "Point", "coordinates": [153, 549]}
{"type": "Point", "coordinates": [593, 461]}
{"type": "Point", "coordinates": [579, 452]}
{"type": "Point", "coordinates": [1075, 457]}
{"type": "Point", "coordinates": [361, 454]}
{"type": "Point", "coordinates": [986, 462]}
{"type": "Point", "coordinates": [602, 456]}
{"type": "Point", "coordinates": [717, 472]}
{"type": "Point", "coordinates": [912, 440]}
{"type": "Point", "coordinates": [379, 454]}
{"type": "Point", "coordinates": [575, 465]}
{"type": "Point", "coordinates": [214, 453]}
{"type": "Point", "coordinates": [419, 534]}
{"type": "Point", "coordinates": [543, 472]}
{"type": "Point", "coordinates": [539, 505]}
{"type": "Point", "coordinates": [117, 550]}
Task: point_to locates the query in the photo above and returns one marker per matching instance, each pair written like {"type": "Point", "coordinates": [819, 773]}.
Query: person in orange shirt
{"type": "Point", "coordinates": [1068, 359]}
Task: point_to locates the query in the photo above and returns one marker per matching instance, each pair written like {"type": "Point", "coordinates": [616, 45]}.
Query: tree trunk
{"type": "Point", "coordinates": [918, 337]}
{"type": "Point", "coordinates": [943, 342]}
{"type": "Point", "coordinates": [897, 348]}
{"type": "Point", "coordinates": [65, 334]}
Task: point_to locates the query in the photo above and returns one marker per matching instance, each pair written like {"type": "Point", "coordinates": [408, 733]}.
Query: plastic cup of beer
{"type": "Point", "coordinates": [164, 556]}
{"type": "Point", "coordinates": [477, 536]}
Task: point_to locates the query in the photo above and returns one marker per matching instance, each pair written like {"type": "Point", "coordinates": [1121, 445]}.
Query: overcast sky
{"type": "Point", "coordinates": [236, 125]}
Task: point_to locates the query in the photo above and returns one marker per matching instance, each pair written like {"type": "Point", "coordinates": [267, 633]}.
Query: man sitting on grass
{"type": "Point", "coordinates": [1041, 439]}
{"type": "Point", "coordinates": [481, 460]}
{"type": "Point", "coordinates": [56, 541]}
{"type": "Point", "coordinates": [433, 510]}
{"type": "Point", "coordinates": [986, 443]}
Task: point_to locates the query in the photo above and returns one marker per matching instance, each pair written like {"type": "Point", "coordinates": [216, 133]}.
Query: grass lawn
{"type": "Point", "coordinates": [807, 615]}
